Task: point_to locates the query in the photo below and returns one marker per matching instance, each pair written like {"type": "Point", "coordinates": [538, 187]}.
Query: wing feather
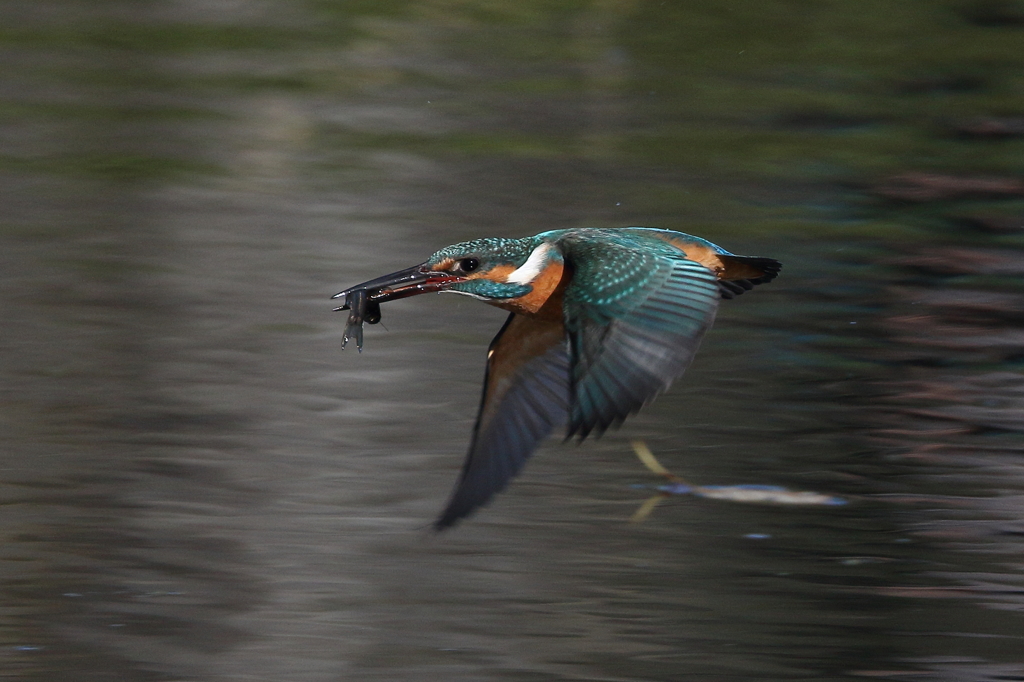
{"type": "Point", "coordinates": [526, 394]}
{"type": "Point", "coordinates": [635, 316]}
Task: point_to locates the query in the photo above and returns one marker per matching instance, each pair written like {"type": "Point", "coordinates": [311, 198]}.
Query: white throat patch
{"type": "Point", "coordinates": [529, 270]}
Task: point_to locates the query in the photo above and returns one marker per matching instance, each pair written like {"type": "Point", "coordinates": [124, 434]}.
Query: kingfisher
{"type": "Point", "coordinates": [601, 321]}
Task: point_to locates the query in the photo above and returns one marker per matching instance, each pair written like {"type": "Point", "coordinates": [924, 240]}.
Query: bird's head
{"type": "Point", "coordinates": [489, 269]}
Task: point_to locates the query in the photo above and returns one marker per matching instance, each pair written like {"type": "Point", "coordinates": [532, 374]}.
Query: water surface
{"type": "Point", "coordinates": [198, 484]}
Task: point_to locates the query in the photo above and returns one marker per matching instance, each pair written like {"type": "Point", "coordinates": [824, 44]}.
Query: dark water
{"type": "Point", "coordinates": [197, 484]}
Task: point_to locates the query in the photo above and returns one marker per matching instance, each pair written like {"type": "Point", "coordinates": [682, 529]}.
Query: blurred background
{"type": "Point", "coordinates": [198, 484]}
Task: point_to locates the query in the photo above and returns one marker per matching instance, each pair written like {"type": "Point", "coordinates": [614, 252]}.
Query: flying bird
{"type": "Point", "coordinates": [601, 320]}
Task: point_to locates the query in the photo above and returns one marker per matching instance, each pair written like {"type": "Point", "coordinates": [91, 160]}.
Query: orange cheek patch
{"type": "Point", "coordinates": [545, 298]}
{"type": "Point", "coordinates": [499, 273]}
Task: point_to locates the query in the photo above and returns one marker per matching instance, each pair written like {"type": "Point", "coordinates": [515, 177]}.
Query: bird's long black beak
{"type": "Point", "coordinates": [363, 300]}
{"type": "Point", "coordinates": [402, 284]}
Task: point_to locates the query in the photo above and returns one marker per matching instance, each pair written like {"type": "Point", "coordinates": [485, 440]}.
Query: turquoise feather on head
{"type": "Point", "coordinates": [492, 268]}
{"type": "Point", "coordinates": [487, 252]}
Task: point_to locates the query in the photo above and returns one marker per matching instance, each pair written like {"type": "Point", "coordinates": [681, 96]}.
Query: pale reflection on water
{"type": "Point", "coordinates": [198, 484]}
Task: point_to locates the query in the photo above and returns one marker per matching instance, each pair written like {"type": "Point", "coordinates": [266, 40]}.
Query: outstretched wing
{"type": "Point", "coordinates": [635, 316]}
{"type": "Point", "coordinates": [526, 394]}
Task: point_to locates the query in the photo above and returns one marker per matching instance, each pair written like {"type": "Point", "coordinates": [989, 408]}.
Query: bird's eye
{"type": "Point", "coordinates": [467, 265]}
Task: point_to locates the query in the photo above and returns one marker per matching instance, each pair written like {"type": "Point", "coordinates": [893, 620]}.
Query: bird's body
{"type": "Point", "coordinates": [602, 321]}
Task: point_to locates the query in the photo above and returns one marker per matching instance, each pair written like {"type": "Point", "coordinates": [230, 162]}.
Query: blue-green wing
{"type": "Point", "coordinates": [635, 315]}
{"type": "Point", "coordinates": [526, 395]}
